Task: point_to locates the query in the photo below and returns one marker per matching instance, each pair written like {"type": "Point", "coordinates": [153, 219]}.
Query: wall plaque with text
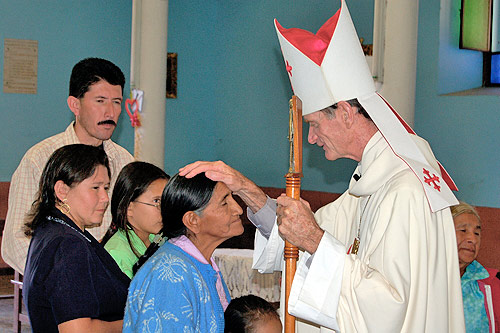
{"type": "Point", "coordinates": [20, 66]}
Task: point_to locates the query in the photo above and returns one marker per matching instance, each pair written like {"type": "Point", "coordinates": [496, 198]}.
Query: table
{"type": "Point", "coordinates": [236, 268]}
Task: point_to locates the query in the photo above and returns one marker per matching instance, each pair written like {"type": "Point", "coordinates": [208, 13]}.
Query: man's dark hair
{"type": "Point", "coordinates": [330, 111]}
{"type": "Point", "coordinates": [92, 70]}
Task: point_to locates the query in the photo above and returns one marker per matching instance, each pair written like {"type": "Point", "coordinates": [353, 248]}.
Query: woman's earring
{"type": "Point", "coordinates": [64, 207]}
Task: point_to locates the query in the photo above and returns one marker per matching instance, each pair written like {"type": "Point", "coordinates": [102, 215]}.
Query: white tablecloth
{"type": "Point", "coordinates": [236, 268]}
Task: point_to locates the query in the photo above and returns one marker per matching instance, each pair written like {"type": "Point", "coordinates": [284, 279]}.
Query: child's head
{"type": "Point", "coordinates": [251, 314]}
{"type": "Point", "coordinates": [135, 203]}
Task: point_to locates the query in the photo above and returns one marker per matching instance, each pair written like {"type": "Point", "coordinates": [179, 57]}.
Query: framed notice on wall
{"type": "Point", "coordinates": [172, 75]}
{"type": "Point", "coordinates": [20, 66]}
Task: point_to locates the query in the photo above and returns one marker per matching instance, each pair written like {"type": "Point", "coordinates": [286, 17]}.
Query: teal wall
{"type": "Point", "coordinates": [233, 90]}
{"type": "Point", "coordinates": [451, 57]}
{"type": "Point", "coordinates": [66, 31]}
{"type": "Point", "coordinates": [237, 83]}
{"type": "Point", "coordinates": [463, 130]}
{"type": "Point", "coordinates": [190, 118]}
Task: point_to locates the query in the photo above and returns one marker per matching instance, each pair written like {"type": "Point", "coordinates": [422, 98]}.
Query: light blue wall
{"type": "Point", "coordinates": [233, 89]}
{"type": "Point", "coordinates": [452, 58]}
{"type": "Point", "coordinates": [463, 130]}
{"type": "Point", "coordinates": [252, 89]}
{"type": "Point", "coordinates": [66, 31]}
{"type": "Point", "coordinates": [190, 118]}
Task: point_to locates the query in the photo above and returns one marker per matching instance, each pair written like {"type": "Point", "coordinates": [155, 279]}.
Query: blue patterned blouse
{"type": "Point", "coordinates": [476, 319]}
{"type": "Point", "coordinates": [174, 292]}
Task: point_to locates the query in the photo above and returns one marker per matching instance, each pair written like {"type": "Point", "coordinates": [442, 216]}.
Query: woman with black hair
{"type": "Point", "coordinates": [135, 208]}
{"type": "Point", "coordinates": [71, 284]}
{"type": "Point", "coordinates": [179, 288]}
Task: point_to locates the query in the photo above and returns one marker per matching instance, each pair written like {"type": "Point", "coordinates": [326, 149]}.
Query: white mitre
{"type": "Point", "coordinates": [330, 66]}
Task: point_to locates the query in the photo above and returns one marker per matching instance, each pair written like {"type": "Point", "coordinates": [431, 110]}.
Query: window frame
{"type": "Point", "coordinates": [487, 69]}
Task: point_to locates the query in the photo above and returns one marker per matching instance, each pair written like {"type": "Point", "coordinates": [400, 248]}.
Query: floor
{"type": "Point", "coordinates": [6, 310]}
{"type": "Point", "coordinates": [7, 304]}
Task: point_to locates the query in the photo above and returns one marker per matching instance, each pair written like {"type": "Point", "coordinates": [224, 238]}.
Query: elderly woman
{"type": "Point", "coordinates": [480, 286]}
{"type": "Point", "coordinates": [71, 284]}
{"type": "Point", "coordinates": [135, 207]}
{"type": "Point", "coordinates": [180, 288]}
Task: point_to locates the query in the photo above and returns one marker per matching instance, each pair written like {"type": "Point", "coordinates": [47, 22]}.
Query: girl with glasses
{"type": "Point", "coordinates": [135, 209]}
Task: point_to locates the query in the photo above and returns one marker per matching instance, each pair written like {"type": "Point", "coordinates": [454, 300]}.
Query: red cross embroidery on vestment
{"type": "Point", "coordinates": [432, 180]}
{"type": "Point", "coordinates": [288, 68]}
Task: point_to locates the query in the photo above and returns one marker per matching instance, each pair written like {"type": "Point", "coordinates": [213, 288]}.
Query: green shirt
{"type": "Point", "coordinates": [119, 248]}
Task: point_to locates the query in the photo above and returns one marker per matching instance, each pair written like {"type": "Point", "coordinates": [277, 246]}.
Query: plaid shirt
{"type": "Point", "coordinates": [24, 185]}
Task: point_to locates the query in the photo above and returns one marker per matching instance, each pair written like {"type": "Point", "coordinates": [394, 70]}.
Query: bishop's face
{"type": "Point", "coordinates": [328, 132]}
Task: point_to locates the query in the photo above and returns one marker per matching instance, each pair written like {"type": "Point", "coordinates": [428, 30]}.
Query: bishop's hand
{"type": "Point", "coordinates": [296, 223]}
{"type": "Point", "coordinates": [240, 185]}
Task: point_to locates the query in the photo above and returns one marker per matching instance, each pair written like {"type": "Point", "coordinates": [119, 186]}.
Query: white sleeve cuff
{"type": "Point", "coordinates": [315, 290]}
{"type": "Point", "coordinates": [268, 253]}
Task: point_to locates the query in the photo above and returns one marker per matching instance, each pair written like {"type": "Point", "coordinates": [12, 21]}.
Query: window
{"type": "Point", "coordinates": [491, 69]}
{"type": "Point", "coordinates": [479, 30]}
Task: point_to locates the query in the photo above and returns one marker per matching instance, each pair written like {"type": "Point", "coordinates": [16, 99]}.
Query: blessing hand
{"type": "Point", "coordinates": [240, 185]}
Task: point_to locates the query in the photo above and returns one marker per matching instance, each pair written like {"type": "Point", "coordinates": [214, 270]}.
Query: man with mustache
{"type": "Point", "coordinates": [95, 98]}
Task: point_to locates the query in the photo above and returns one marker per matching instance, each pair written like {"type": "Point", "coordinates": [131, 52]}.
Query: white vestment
{"type": "Point", "coordinates": [405, 277]}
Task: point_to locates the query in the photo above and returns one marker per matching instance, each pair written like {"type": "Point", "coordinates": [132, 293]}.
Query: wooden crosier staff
{"type": "Point", "coordinates": [293, 176]}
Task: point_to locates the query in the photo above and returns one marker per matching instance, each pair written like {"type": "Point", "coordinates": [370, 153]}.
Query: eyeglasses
{"type": "Point", "coordinates": [156, 205]}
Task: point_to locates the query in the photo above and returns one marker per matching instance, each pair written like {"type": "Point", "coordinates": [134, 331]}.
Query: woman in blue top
{"type": "Point", "coordinates": [71, 284]}
{"type": "Point", "coordinates": [179, 288]}
{"type": "Point", "coordinates": [480, 285]}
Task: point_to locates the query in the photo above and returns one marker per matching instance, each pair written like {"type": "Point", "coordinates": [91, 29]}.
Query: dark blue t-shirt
{"type": "Point", "coordinates": [69, 275]}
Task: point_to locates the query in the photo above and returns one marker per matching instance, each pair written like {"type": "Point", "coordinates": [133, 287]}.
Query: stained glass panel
{"type": "Point", "coordinates": [475, 28]}
{"type": "Point", "coordinates": [495, 68]}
